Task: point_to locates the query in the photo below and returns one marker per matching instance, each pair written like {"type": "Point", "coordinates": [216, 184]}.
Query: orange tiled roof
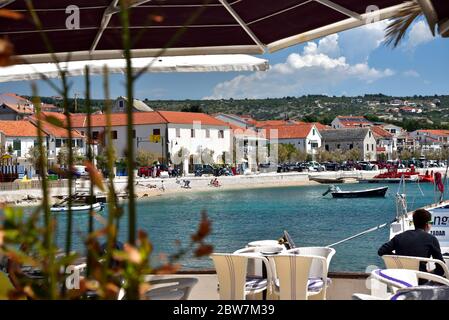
{"type": "Point", "coordinates": [241, 131]}
{"type": "Point", "coordinates": [299, 131]}
{"type": "Point", "coordinates": [353, 121]}
{"type": "Point", "coordinates": [190, 117]}
{"type": "Point", "coordinates": [380, 132]}
{"type": "Point", "coordinates": [117, 119]}
{"type": "Point", "coordinates": [436, 132]}
{"type": "Point", "coordinates": [53, 130]}
{"type": "Point", "coordinates": [21, 128]}
{"type": "Point", "coordinates": [321, 126]}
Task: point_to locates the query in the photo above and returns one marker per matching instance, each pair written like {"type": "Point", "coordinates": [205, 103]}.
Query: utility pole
{"type": "Point", "coordinates": [76, 102]}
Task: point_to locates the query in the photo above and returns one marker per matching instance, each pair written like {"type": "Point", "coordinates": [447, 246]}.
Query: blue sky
{"type": "Point", "coordinates": [353, 62]}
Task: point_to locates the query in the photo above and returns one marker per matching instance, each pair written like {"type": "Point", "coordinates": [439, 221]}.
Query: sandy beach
{"type": "Point", "coordinates": [153, 187]}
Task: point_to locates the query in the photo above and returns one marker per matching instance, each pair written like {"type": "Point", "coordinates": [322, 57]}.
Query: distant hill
{"type": "Point", "coordinates": [435, 109]}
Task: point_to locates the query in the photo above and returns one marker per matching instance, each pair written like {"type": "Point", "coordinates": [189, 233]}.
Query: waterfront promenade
{"type": "Point", "coordinates": [151, 187]}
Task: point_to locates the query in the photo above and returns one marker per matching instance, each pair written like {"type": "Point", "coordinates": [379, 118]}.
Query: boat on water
{"type": "Point", "coordinates": [77, 207]}
{"type": "Point", "coordinates": [336, 192]}
{"type": "Point", "coordinates": [394, 176]}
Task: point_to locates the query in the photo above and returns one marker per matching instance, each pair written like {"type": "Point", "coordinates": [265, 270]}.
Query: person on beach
{"type": "Point", "coordinates": [416, 243]}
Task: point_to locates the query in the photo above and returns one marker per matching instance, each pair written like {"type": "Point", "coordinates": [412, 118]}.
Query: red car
{"type": "Point", "coordinates": [147, 171]}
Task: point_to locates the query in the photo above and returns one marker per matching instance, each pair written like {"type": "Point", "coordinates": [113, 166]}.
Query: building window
{"type": "Point", "coordinates": [17, 145]}
{"type": "Point", "coordinates": [58, 143]}
{"type": "Point", "coordinates": [369, 134]}
{"type": "Point", "coordinates": [220, 134]}
{"type": "Point", "coordinates": [207, 133]}
{"type": "Point", "coordinates": [95, 135]}
{"type": "Point", "coordinates": [134, 134]}
{"type": "Point", "coordinates": [326, 147]}
{"type": "Point", "coordinates": [372, 147]}
{"type": "Point", "coordinates": [393, 131]}
{"type": "Point", "coordinates": [338, 146]}
{"type": "Point", "coordinates": [351, 146]}
{"type": "Point", "coordinates": [81, 143]}
{"type": "Point", "coordinates": [114, 135]}
{"type": "Point", "coordinates": [156, 132]}
{"type": "Point", "coordinates": [82, 133]}
{"type": "Point", "coordinates": [121, 104]}
{"type": "Point", "coordinates": [314, 145]}
{"type": "Point", "coordinates": [178, 132]}
{"type": "Point", "coordinates": [367, 147]}
{"type": "Point", "coordinates": [192, 133]}
{"type": "Point", "coordinates": [313, 132]}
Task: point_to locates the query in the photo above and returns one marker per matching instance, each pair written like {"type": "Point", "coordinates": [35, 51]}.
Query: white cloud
{"type": "Point", "coordinates": [411, 73]}
{"type": "Point", "coordinates": [357, 44]}
{"type": "Point", "coordinates": [316, 69]}
{"type": "Point", "coordinates": [419, 34]}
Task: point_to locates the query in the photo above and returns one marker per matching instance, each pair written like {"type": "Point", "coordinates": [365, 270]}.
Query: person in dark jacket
{"type": "Point", "coordinates": [416, 243]}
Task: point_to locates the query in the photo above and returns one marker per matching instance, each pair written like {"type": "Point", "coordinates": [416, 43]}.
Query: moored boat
{"type": "Point", "coordinates": [367, 193]}
{"type": "Point", "coordinates": [97, 206]}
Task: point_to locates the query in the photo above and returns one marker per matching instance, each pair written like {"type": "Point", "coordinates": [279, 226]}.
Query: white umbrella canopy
{"type": "Point", "coordinates": [198, 63]}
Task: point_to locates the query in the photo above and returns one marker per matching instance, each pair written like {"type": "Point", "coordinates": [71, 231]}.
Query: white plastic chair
{"type": "Point", "coordinates": [395, 279]}
{"type": "Point", "coordinates": [232, 275]}
{"type": "Point", "coordinates": [412, 263]}
{"type": "Point", "coordinates": [413, 293]}
{"type": "Point", "coordinates": [316, 270]}
{"type": "Point", "coordinates": [294, 282]}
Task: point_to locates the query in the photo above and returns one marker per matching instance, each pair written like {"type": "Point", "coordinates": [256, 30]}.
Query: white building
{"type": "Point", "coordinates": [165, 133]}
{"type": "Point", "coordinates": [305, 136]}
{"type": "Point", "coordinates": [431, 139]}
{"type": "Point", "coordinates": [119, 105]}
{"type": "Point", "coordinates": [385, 141]}
{"type": "Point", "coordinates": [350, 122]}
{"type": "Point", "coordinates": [18, 137]}
{"type": "Point", "coordinates": [199, 138]}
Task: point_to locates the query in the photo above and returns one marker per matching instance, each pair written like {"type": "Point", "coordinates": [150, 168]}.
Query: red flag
{"type": "Point", "coordinates": [439, 182]}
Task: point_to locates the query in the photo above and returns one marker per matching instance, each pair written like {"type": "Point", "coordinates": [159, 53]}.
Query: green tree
{"type": "Point", "coordinates": [33, 156]}
{"type": "Point", "coordinates": [405, 155]}
{"type": "Point", "coordinates": [286, 152]}
{"type": "Point", "coordinates": [354, 154]}
{"type": "Point", "coordinates": [145, 157]}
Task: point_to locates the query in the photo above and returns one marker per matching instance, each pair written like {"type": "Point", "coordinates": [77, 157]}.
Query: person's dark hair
{"type": "Point", "coordinates": [420, 218]}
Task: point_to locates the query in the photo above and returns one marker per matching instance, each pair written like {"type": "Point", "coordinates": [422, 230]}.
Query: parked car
{"type": "Point", "coordinates": [147, 171]}
{"type": "Point", "coordinates": [315, 166]}
{"type": "Point", "coordinates": [200, 170]}
{"type": "Point", "coordinates": [331, 166]}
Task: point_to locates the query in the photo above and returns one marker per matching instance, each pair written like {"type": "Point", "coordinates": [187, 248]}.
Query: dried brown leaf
{"type": "Point", "coordinates": [95, 175]}
{"type": "Point", "coordinates": [6, 53]}
{"type": "Point", "coordinates": [203, 230]}
{"type": "Point", "coordinates": [204, 250]}
{"type": "Point", "coordinates": [9, 14]}
{"type": "Point", "coordinates": [157, 18]}
{"type": "Point", "coordinates": [133, 254]}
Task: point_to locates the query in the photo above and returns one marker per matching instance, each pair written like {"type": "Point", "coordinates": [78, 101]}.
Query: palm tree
{"type": "Point", "coordinates": [396, 30]}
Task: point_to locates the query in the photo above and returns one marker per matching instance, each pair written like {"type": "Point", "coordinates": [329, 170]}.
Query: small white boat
{"type": "Point", "coordinates": [97, 206]}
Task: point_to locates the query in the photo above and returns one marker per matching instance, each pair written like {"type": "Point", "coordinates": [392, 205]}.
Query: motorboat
{"type": "Point", "coordinates": [395, 176]}
{"type": "Point", "coordinates": [77, 207]}
{"type": "Point", "coordinates": [440, 217]}
{"type": "Point", "coordinates": [366, 193]}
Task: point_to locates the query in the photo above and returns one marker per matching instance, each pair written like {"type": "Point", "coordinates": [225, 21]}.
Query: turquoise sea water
{"type": "Point", "coordinates": [241, 216]}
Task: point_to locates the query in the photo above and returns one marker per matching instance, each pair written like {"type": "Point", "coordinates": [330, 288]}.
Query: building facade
{"type": "Point", "coordinates": [348, 139]}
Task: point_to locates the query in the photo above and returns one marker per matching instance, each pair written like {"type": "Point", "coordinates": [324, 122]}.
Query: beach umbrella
{"type": "Point", "coordinates": [230, 62]}
{"type": "Point", "coordinates": [91, 29]}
